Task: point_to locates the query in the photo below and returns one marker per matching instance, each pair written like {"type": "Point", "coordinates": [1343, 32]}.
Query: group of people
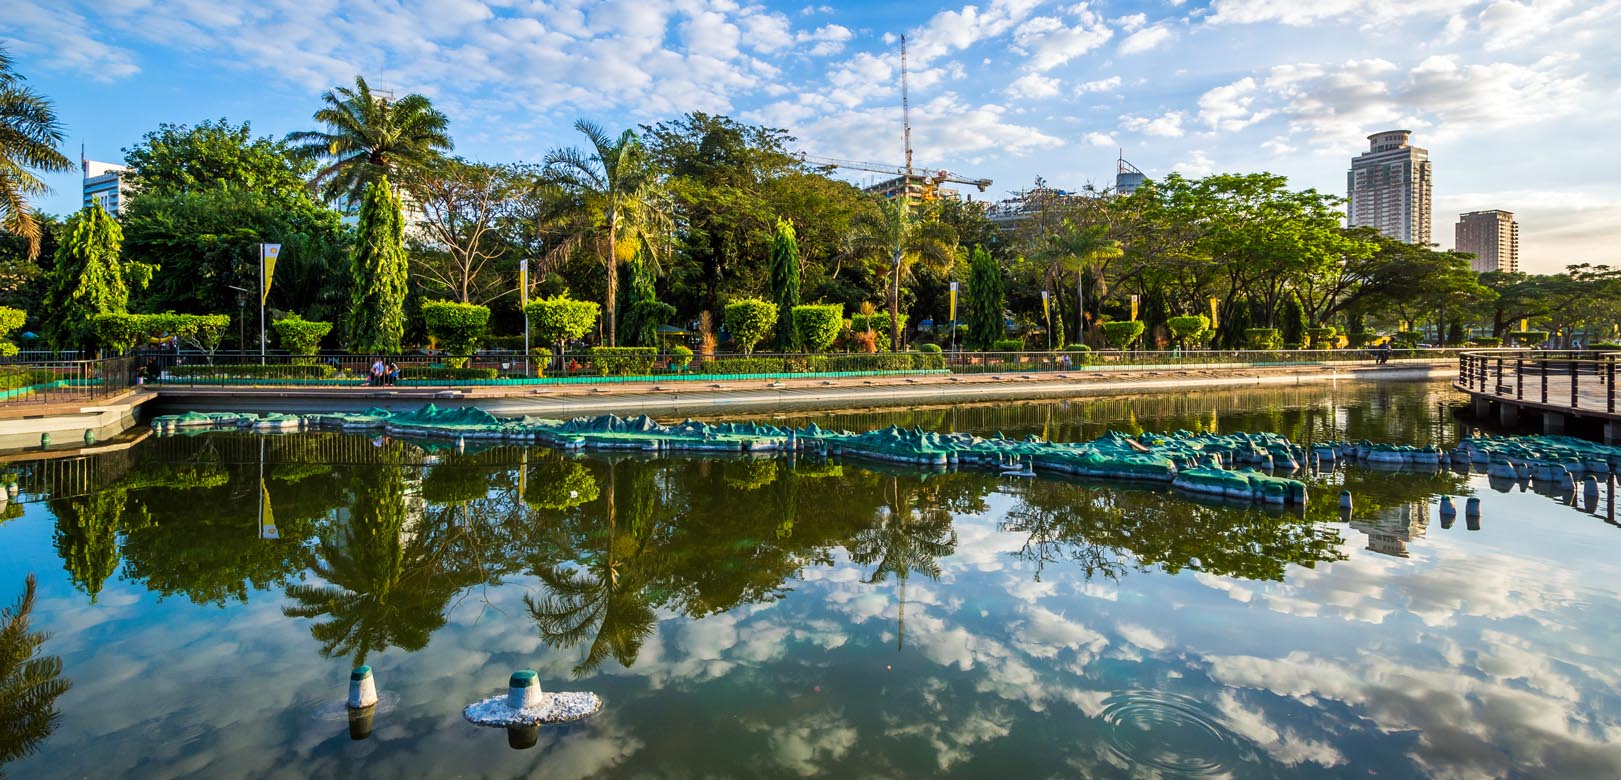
{"type": "Point", "coordinates": [383, 373]}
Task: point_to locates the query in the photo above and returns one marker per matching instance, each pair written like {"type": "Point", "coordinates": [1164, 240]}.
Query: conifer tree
{"type": "Point", "coordinates": [785, 282]}
{"type": "Point", "coordinates": [89, 278]}
{"type": "Point", "coordinates": [986, 300]}
{"type": "Point", "coordinates": [378, 274]}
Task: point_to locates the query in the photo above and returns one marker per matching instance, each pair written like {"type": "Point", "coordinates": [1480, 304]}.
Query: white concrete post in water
{"type": "Point", "coordinates": [1345, 499]}
{"type": "Point", "coordinates": [1471, 508]}
{"type": "Point", "coordinates": [362, 688]}
{"type": "Point", "coordinates": [1447, 509]}
{"type": "Point", "coordinates": [523, 690]}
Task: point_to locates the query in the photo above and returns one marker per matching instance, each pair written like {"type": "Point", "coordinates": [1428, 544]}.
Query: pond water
{"type": "Point", "coordinates": [208, 596]}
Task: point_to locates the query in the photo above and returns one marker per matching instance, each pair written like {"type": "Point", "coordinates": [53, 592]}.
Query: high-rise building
{"type": "Point", "coordinates": [1389, 188]}
{"type": "Point", "coordinates": [104, 184]}
{"type": "Point", "coordinates": [1493, 237]}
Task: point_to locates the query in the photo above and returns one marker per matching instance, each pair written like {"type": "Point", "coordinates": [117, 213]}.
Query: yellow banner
{"type": "Point", "coordinates": [267, 265]}
{"type": "Point", "coordinates": [1525, 325]}
{"type": "Point", "coordinates": [1046, 307]}
{"type": "Point", "coordinates": [1133, 308]}
{"type": "Point", "coordinates": [1213, 324]}
{"type": "Point", "coordinates": [953, 303]}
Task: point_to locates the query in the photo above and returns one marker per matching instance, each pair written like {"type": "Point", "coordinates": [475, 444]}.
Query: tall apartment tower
{"type": "Point", "coordinates": [104, 184]}
{"type": "Point", "coordinates": [1389, 188]}
{"type": "Point", "coordinates": [1493, 237]}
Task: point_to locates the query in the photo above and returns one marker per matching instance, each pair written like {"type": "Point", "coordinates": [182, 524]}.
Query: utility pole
{"type": "Point", "coordinates": [906, 119]}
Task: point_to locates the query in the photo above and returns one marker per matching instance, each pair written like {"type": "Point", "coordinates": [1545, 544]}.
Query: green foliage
{"type": "Point", "coordinates": [895, 241]}
{"type": "Point", "coordinates": [1599, 345]}
{"type": "Point", "coordinates": [560, 318]}
{"type": "Point", "coordinates": [89, 278]}
{"type": "Point", "coordinates": [1322, 338]}
{"type": "Point", "coordinates": [640, 325]}
{"type": "Point", "coordinates": [367, 137]}
{"type": "Point", "coordinates": [10, 320]}
{"type": "Point", "coordinates": [882, 361]}
{"type": "Point", "coordinates": [31, 681]}
{"type": "Point", "coordinates": [378, 274]}
{"type": "Point", "coordinates": [624, 361]}
{"type": "Point", "coordinates": [1188, 329]}
{"type": "Point", "coordinates": [818, 325]}
{"type": "Point", "coordinates": [930, 349]}
{"type": "Point", "coordinates": [176, 159]}
{"type": "Point", "coordinates": [11, 379]}
{"type": "Point", "coordinates": [1262, 338]}
{"type": "Point", "coordinates": [987, 299]}
{"type": "Point", "coordinates": [1292, 320]}
{"type": "Point", "coordinates": [1527, 338]}
{"type": "Point", "coordinates": [1080, 355]}
{"type": "Point", "coordinates": [253, 371]}
{"type": "Point", "coordinates": [300, 336]}
{"type": "Point", "coordinates": [680, 357]}
{"type": "Point", "coordinates": [1123, 334]}
{"type": "Point", "coordinates": [1497, 342]}
{"type": "Point", "coordinates": [456, 327]}
{"type": "Point", "coordinates": [454, 373]}
{"type": "Point", "coordinates": [1362, 338]}
{"type": "Point", "coordinates": [1407, 339]}
{"type": "Point", "coordinates": [559, 485]}
{"type": "Point", "coordinates": [121, 332]}
{"type": "Point", "coordinates": [878, 322]}
{"type": "Point", "coordinates": [749, 320]}
{"type": "Point", "coordinates": [785, 284]}
{"type": "Point", "coordinates": [29, 135]}
{"type": "Point", "coordinates": [1007, 345]}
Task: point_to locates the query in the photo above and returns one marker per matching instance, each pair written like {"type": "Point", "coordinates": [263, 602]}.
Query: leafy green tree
{"type": "Point", "coordinates": [646, 312]}
{"type": "Point", "coordinates": [378, 274]}
{"type": "Point", "coordinates": [785, 282]}
{"type": "Point", "coordinates": [1292, 319]}
{"type": "Point", "coordinates": [300, 336]}
{"type": "Point", "coordinates": [29, 682]}
{"type": "Point", "coordinates": [749, 320]}
{"type": "Point", "coordinates": [456, 327]}
{"type": "Point", "coordinates": [987, 300]}
{"type": "Point", "coordinates": [1124, 333]}
{"type": "Point", "coordinates": [176, 159]}
{"type": "Point", "coordinates": [898, 241]}
{"type": "Point", "coordinates": [816, 325]}
{"type": "Point", "coordinates": [369, 137]}
{"type": "Point", "coordinates": [10, 320]}
{"type": "Point", "coordinates": [561, 319]}
{"type": "Point", "coordinates": [1076, 249]}
{"type": "Point", "coordinates": [29, 135]}
{"type": "Point", "coordinates": [1188, 329]}
{"type": "Point", "coordinates": [612, 201]}
{"type": "Point", "coordinates": [89, 278]}
{"type": "Point", "coordinates": [86, 537]}
{"type": "Point", "coordinates": [463, 208]}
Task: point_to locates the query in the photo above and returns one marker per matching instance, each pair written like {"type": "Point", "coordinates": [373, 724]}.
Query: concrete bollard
{"type": "Point", "coordinates": [44, 440]}
{"type": "Point", "coordinates": [461, 444]}
{"type": "Point", "coordinates": [523, 690]}
{"type": "Point", "coordinates": [89, 437]}
{"type": "Point", "coordinates": [1447, 508]}
{"type": "Point", "coordinates": [1345, 500]}
{"type": "Point", "coordinates": [1590, 492]}
{"type": "Point", "coordinates": [523, 737]}
{"type": "Point", "coordinates": [1471, 508]}
{"type": "Point", "coordinates": [360, 723]}
{"type": "Point", "coordinates": [362, 688]}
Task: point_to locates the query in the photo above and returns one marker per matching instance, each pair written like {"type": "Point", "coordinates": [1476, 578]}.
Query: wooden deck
{"type": "Point", "coordinates": [1557, 385]}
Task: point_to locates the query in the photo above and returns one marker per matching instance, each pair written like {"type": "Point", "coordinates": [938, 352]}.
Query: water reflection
{"type": "Point", "coordinates": [30, 682]}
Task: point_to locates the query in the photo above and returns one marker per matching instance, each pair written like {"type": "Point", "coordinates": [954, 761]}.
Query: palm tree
{"type": "Point", "coordinates": [29, 684]}
{"type": "Point", "coordinates": [1077, 249]}
{"type": "Point", "coordinates": [910, 534]}
{"type": "Point", "coordinates": [369, 136]}
{"type": "Point", "coordinates": [900, 240]}
{"type": "Point", "coordinates": [608, 196]}
{"type": "Point", "coordinates": [29, 134]}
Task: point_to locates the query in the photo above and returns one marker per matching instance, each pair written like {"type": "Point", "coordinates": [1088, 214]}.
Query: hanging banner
{"type": "Point", "coordinates": [1134, 300]}
{"type": "Point", "coordinates": [1525, 325]}
{"type": "Point", "coordinates": [267, 269]}
{"type": "Point", "coordinates": [523, 284]}
{"type": "Point", "coordinates": [953, 303]}
{"type": "Point", "coordinates": [1213, 324]}
{"type": "Point", "coordinates": [1046, 308]}
{"type": "Point", "coordinates": [267, 518]}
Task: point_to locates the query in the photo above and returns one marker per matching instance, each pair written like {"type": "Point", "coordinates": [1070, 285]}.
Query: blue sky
{"type": "Point", "coordinates": [1515, 99]}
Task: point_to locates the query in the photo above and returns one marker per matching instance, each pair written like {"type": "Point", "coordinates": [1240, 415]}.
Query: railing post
{"type": "Point", "coordinates": [1609, 384]}
{"type": "Point", "coordinates": [1574, 377]}
{"type": "Point", "coordinates": [1542, 368]}
{"type": "Point", "coordinates": [1519, 378]}
{"type": "Point", "coordinates": [1497, 386]}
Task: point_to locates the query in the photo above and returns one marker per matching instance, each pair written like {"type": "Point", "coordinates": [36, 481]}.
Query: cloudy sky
{"type": "Point", "coordinates": [1514, 100]}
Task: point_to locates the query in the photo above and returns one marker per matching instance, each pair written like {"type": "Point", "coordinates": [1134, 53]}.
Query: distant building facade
{"type": "Point", "coordinates": [1493, 237]}
{"type": "Point", "coordinates": [104, 184]}
{"type": "Point", "coordinates": [1389, 188]}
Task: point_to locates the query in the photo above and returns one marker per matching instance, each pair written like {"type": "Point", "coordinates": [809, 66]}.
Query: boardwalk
{"type": "Point", "coordinates": [1559, 386]}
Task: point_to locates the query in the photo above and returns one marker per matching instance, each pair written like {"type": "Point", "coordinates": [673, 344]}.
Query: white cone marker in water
{"type": "Point", "coordinates": [523, 690]}
{"type": "Point", "coordinates": [1471, 508]}
{"type": "Point", "coordinates": [362, 688]}
{"type": "Point", "coordinates": [1345, 499]}
{"type": "Point", "coordinates": [1590, 489]}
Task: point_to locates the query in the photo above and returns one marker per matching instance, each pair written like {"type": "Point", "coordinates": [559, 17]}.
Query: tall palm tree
{"type": "Point", "coordinates": [899, 239]}
{"type": "Point", "coordinates": [608, 196]}
{"type": "Point", "coordinates": [29, 135]}
{"type": "Point", "coordinates": [910, 534]}
{"type": "Point", "coordinates": [29, 683]}
{"type": "Point", "coordinates": [369, 136]}
{"type": "Point", "coordinates": [1074, 249]}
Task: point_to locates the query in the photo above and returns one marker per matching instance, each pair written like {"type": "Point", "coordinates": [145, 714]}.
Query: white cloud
{"type": "Point", "coordinates": [1049, 41]}
{"type": "Point", "coordinates": [1100, 139]}
{"type": "Point", "coordinates": [1099, 85]}
{"type": "Point", "coordinates": [1032, 86]}
{"type": "Point", "coordinates": [1198, 164]}
{"type": "Point", "coordinates": [1147, 39]}
{"type": "Point", "coordinates": [1166, 125]}
{"type": "Point", "coordinates": [1228, 108]}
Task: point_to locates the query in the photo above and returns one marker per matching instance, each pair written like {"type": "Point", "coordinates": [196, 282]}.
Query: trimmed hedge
{"type": "Point", "coordinates": [818, 325]}
{"type": "Point", "coordinates": [930, 349]}
{"type": "Point", "coordinates": [1263, 338]}
{"type": "Point", "coordinates": [624, 361]}
{"type": "Point", "coordinates": [300, 336]}
{"type": "Point", "coordinates": [680, 357]}
{"type": "Point", "coordinates": [11, 380]}
{"type": "Point", "coordinates": [1123, 334]}
{"type": "Point", "coordinates": [878, 320]}
{"type": "Point", "coordinates": [456, 327]}
{"type": "Point", "coordinates": [1492, 341]}
{"type": "Point", "coordinates": [409, 372]}
{"type": "Point", "coordinates": [882, 361]}
{"type": "Point", "coordinates": [1527, 338]}
{"type": "Point", "coordinates": [1007, 345]}
{"type": "Point", "coordinates": [1321, 338]}
{"type": "Point", "coordinates": [253, 371]}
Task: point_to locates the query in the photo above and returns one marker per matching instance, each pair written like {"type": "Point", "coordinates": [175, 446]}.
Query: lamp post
{"type": "Point", "coordinates": [242, 316]}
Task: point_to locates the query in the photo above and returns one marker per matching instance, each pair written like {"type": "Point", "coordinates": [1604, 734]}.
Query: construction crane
{"type": "Point", "coordinates": [930, 182]}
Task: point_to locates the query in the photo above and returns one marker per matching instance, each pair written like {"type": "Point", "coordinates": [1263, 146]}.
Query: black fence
{"type": "Point", "coordinates": [49, 381]}
{"type": "Point", "coordinates": [1578, 379]}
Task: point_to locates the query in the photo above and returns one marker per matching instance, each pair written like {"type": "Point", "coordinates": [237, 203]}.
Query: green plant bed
{"type": "Point", "coordinates": [446, 372]}
{"type": "Point", "coordinates": [624, 361]}
{"type": "Point", "coordinates": [252, 371]}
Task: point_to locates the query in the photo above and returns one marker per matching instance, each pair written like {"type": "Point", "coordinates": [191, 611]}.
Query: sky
{"type": "Point", "coordinates": [1516, 101]}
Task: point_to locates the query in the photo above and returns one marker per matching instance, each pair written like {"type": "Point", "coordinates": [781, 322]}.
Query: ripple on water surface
{"type": "Point", "coordinates": [1170, 732]}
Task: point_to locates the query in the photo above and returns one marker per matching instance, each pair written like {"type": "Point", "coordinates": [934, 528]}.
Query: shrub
{"type": "Point", "coordinates": [13, 379]}
{"type": "Point", "coordinates": [1294, 345]}
{"type": "Point", "coordinates": [680, 357]}
{"type": "Point", "coordinates": [1492, 341]}
{"type": "Point", "coordinates": [1406, 339]}
{"type": "Point", "coordinates": [253, 371]}
{"type": "Point", "coordinates": [1527, 338]}
{"type": "Point", "coordinates": [10, 320]}
{"type": "Point", "coordinates": [1080, 354]}
{"type": "Point", "coordinates": [817, 325]}
{"type": "Point", "coordinates": [300, 336]}
{"type": "Point", "coordinates": [455, 327]}
{"type": "Point", "coordinates": [1362, 338]}
{"type": "Point", "coordinates": [1321, 338]}
{"type": "Point", "coordinates": [877, 323]}
{"type": "Point", "coordinates": [866, 342]}
{"type": "Point", "coordinates": [754, 365]}
{"type": "Point", "coordinates": [932, 349]}
{"type": "Point", "coordinates": [624, 361]}
{"type": "Point", "coordinates": [1609, 345]}
{"type": "Point", "coordinates": [749, 320]}
{"type": "Point", "coordinates": [119, 331]}
{"type": "Point", "coordinates": [541, 357]}
{"type": "Point", "coordinates": [1007, 345]}
{"type": "Point", "coordinates": [560, 318]}
{"type": "Point", "coordinates": [455, 373]}
{"type": "Point", "coordinates": [1262, 338]}
{"type": "Point", "coordinates": [884, 361]}
{"type": "Point", "coordinates": [1188, 329]}
{"type": "Point", "coordinates": [1123, 334]}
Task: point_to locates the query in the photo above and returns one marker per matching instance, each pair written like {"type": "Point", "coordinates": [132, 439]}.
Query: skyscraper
{"type": "Point", "coordinates": [1389, 188]}
{"type": "Point", "coordinates": [104, 184]}
{"type": "Point", "coordinates": [1493, 237]}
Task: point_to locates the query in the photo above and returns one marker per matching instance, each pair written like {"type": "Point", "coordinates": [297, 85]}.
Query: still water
{"type": "Point", "coordinates": [768, 618]}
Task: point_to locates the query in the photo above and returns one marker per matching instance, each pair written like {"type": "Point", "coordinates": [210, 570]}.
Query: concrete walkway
{"type": "Point", "coordinates": [22, 425]}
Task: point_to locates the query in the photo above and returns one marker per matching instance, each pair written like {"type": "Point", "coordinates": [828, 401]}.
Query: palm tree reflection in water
{"type": "Point", "coordinates": [910, 534]}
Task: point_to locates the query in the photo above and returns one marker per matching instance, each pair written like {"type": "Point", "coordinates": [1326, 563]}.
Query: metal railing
{"type": "Point", "coordinates": [34, 381]}
{"type": "Point", "coordinates": [1577, 379]}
